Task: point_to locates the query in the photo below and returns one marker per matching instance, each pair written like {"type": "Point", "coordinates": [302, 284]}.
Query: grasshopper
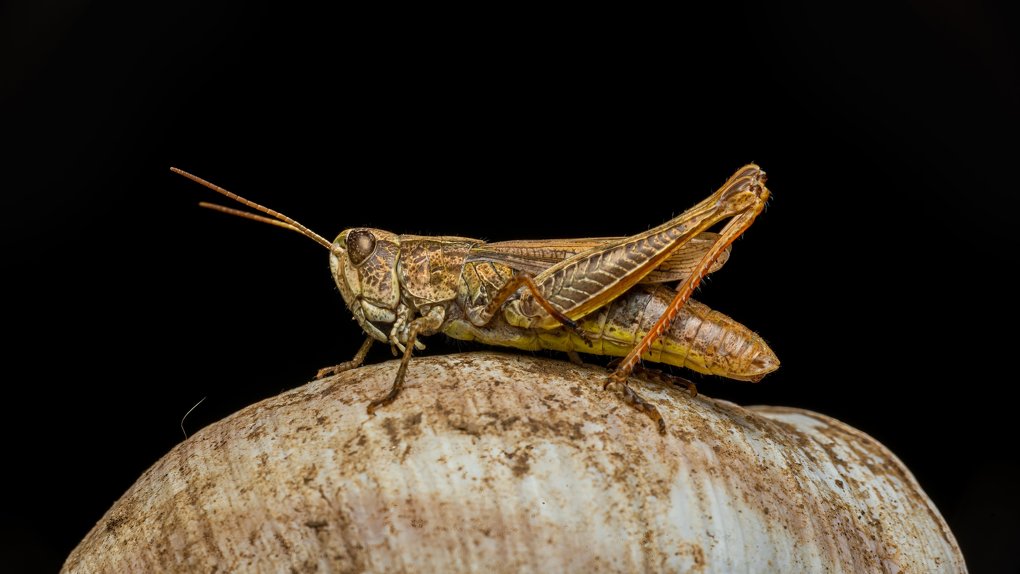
{"type": "Point", "coordinates": [603, 296]}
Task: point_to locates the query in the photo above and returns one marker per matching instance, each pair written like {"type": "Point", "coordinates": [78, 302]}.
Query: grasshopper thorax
{"type": "Point", "coordinates": [364, 262]}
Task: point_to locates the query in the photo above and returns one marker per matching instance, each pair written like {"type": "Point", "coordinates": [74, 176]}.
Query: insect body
{"type": "Point", "coordinates": [700, 338]}
{"type": "Point", "coordinates": [603, 296]}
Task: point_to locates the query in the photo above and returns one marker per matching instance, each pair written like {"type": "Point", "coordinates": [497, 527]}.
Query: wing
{"type": "Point", "coordinates": [536, 255]}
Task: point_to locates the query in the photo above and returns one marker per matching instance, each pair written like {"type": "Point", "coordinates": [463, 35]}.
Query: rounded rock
{"type": "Point", "coordinates": [492, 462]}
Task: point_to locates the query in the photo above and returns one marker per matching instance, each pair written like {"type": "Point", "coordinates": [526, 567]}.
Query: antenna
{"type": "Point", "coordinates": [278, 219]}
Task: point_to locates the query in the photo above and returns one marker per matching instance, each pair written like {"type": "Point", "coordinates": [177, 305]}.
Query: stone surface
{"type": "Point", "coordinates": [498, 462]}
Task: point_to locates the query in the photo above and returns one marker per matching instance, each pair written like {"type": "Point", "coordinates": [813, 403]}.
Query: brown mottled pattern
{"type": "Point", "coordinates": [377, 276]}
{"type": "Point", "coordinates": [480, 282]}
{"type": "Point", "coordinates": [430, 268]}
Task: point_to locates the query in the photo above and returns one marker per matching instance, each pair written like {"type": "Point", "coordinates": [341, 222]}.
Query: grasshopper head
{"type": "Point", "coordinates": [364, 265]}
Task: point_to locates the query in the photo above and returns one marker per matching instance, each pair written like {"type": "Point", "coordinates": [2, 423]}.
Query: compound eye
{"type": "Point", "coordinates": [360, 244]}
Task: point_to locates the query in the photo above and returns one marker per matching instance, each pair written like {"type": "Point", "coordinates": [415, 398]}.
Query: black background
{"type": "Point", "coordinates": [876, 273]}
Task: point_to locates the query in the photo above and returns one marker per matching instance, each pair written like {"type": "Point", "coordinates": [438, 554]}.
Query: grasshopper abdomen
{"type": "Point", "coordinates": [700, 338]}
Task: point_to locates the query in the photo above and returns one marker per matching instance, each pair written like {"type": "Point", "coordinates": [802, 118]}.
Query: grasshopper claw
{"type": "Point", "coordinates": [616, 376]}
{"type": "Point", "coordinates": [609, 381]}
{"type": "Point", "coordinates": [383, 401]}
{"type": "Point", "coordinates": [334, 370]}
{"type": "Point", "coordinates": [325, 372]}
{"type": "Point", "coordinates": [663, 378]}
{"type": "Point", "coordinates": [635, 400]}
{"type": "Point", "coordinates": [644, 406]}
{"type": "Point", "coordinates": [354, 363]}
